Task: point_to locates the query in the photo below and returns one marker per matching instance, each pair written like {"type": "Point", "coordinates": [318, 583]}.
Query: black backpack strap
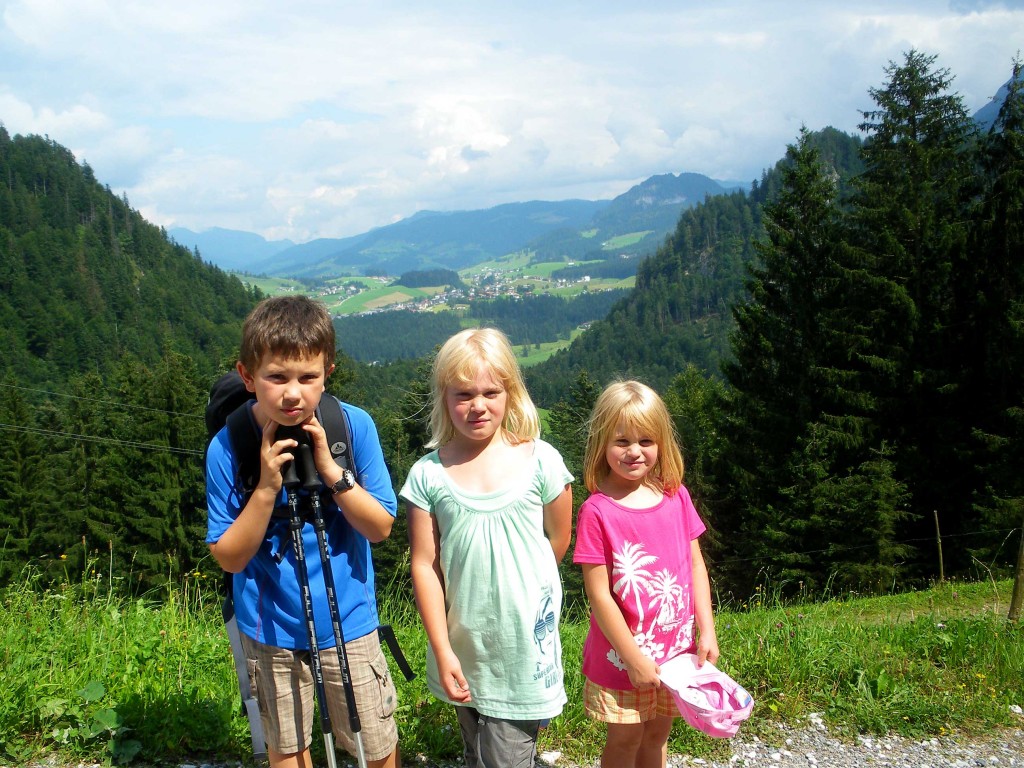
{"type": "Point", "coordinates": [387, 634]}
{"type": "Point", "coordinates": [246, 440]}
{"type": "Point", "coordinates": [332, 418]}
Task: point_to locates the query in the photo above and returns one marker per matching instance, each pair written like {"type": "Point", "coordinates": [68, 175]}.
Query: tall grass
{"type": "Point", "coordinates": [91, 674]}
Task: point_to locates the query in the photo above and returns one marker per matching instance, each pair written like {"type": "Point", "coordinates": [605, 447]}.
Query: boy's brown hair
{"type": "Point", "coordinates": [290, 326]}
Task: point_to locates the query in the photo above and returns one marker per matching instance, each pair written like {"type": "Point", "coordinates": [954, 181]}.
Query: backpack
{"type": "Point", "coordinates": [229, 406]}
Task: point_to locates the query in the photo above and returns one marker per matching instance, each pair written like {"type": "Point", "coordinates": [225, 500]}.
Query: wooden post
{"type": "Point", "coordinates": [938, 540]}
{"type": "Point", "coordinates": [1018, 584]}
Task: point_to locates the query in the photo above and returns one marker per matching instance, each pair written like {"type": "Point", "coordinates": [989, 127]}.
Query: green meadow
{"type": "Point", "coordinates": [91, 674]}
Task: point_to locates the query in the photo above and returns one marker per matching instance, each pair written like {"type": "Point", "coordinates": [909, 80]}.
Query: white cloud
{"type": "Point", "coordinates": [324, 119]}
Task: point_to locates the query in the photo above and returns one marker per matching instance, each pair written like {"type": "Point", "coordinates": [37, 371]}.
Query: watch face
{"type": "Point", "coordinates": [346, 482]}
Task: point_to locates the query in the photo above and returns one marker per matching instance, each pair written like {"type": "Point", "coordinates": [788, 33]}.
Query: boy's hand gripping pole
{"type": "Point", "coordinates": [291, 483]}
{"type": "Point", "coordinates": [311, 482]}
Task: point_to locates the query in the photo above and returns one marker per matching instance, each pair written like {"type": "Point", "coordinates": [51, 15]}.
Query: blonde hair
{"type": "Point", "coordinates": [458, 362]}
{"type": "Point", "coordinates": [639, 407]}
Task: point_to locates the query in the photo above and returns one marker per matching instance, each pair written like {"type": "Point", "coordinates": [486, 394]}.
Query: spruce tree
{"type": "Point", "coordinates": [24, 480]}
{"type": "Point", "coordinates": [801, 432]}
{"type": "Point", "coordinates": [909, 216]}
{"type": "Point", "coordinates": [991, 306]}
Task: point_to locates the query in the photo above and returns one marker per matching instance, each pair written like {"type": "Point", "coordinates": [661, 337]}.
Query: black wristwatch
{"type": "Point", "coordinates": [346, 483]}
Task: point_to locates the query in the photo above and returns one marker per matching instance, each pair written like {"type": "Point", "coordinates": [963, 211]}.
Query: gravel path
{"type": "Point", "coordinates": [813, 747]}
{"type": "Point", "coordinates": [807, 747]}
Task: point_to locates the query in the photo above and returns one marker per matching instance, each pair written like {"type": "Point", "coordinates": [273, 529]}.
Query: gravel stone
{"type": "Point", "coordinates": [804, 747]}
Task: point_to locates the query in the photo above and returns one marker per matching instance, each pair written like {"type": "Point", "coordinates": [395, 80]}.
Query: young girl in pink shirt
{"type": "Point", "coordinates": [644, 573]}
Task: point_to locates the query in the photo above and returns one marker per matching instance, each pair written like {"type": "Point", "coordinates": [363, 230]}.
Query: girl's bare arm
{"type": "Point", "coordinates": [707, 638]}
{"type": "Point", "coordinates": [558, 522]}
{"type": "Point", "coordinates": [428, 588]}
{"type": "Point", "coordinates": [643, 672]}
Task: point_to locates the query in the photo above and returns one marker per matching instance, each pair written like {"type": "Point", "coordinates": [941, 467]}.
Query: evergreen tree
{"type": "Point", "coordinates": [695, 400]}
{"type": "Point", "coordinates": [24, 480]}
{"type": "Point", "coordinates": [567, 432]}
{"type": "Point", "coordinates": [798, 419]}
{"type": "Point", "coordinates": [909, 214]}
{"type": "Point", "coordinates": [991, 305]}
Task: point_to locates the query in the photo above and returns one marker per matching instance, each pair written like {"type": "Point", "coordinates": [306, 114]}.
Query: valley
{"type": "Point", "coordinates": [515, 277]}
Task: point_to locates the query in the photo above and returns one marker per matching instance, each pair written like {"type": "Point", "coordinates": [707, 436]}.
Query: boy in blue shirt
{"type": "Point", "coordinates": [287, 353]}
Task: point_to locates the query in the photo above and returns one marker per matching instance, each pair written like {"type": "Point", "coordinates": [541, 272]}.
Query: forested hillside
{"type": "Point", "coordinates": [85, 281]}
{"type": "Point", "coordinates": [873, 389]}
{"type": "Point", "coordinates": [528, 320]}
{"type": "Point", "coordinates": [110, 335]}
{"type": "Point", "coordinates": [680, 312]}
{"type": "Point", "coordinates": [841, 347]}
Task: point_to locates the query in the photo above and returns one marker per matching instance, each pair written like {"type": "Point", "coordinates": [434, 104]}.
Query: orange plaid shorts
{"type": "Point", "coordinates": [609, 705]}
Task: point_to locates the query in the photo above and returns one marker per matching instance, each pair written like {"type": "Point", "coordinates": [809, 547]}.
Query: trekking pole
{"type": "Point", "coordinates": [311, 482]}
{"type": "Point", "coordinates": [291, 484]}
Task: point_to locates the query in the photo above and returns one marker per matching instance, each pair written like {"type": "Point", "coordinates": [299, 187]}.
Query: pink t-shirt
{"type": "Point", "coordinates": [647, 553]}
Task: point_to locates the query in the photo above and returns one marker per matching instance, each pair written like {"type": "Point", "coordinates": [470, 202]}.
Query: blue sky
{"type": "Point", "coordinates": [325, 119]}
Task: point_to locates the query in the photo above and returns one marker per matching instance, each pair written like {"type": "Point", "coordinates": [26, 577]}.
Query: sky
{"type": "Point", "coordinates": [304, 120]}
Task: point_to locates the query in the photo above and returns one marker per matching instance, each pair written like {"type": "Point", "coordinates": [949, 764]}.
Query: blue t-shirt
{"type": "Point", "coordinates": [268, 601]}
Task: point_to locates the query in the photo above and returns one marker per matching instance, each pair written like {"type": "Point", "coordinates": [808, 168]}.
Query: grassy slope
{"type": "Point", "coordinates": [86, 671]}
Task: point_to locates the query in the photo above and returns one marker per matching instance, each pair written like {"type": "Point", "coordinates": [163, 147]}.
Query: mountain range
{"type": "Point", "coordinates": [637, 220]}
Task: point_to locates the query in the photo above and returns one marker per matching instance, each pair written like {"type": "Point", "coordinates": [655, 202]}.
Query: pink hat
{"type": "Point", "coordinates": [707, 698]}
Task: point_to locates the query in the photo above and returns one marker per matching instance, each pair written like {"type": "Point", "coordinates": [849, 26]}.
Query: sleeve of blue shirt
{"type": "Point", "coordinates": [371, 470]}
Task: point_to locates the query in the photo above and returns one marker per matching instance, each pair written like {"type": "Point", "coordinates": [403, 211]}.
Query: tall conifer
{"type": "Point", "coordinates": [804, 448]}
{"type": "Point", "coordinates": [991, 306]}
{"type": "Point", "coordinates": [909, 216]}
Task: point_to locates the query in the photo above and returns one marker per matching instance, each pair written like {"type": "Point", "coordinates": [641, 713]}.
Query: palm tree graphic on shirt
{"type": "Point", "coordinates": [630, 574]}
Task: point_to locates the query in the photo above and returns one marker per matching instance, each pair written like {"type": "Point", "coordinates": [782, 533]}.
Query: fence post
{"type": "Point", "coordinates": [1018, 583]}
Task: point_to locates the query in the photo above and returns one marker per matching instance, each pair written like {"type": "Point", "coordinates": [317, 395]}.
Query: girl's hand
{"type": "Point", "coordinates": [449, 670]}
{"type": "Point", "coordinates": [707, 648]}
{"type": "Point", "coordinates": [646, 674]}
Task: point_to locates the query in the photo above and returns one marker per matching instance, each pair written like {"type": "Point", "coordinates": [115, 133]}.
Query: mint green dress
{"type": "Point", "coordinates": [503, 595]}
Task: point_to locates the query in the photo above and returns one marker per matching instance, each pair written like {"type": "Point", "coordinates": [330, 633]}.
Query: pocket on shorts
{"type": "Point", "coordinates": [385, 696]}
{"type": "Point", "coordinates": [253, 667]}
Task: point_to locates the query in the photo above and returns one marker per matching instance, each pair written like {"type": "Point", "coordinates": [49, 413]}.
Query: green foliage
{"type": "Point", "coordinates": [397, 335]}
{"type": "Point", "coordinates": [909, 218]}
{"type": "Point", "coordinates": [800, 428]}
{"type": "Point", "coordinates": [992, 287]}
{"type": "Point", "coordinates": [92, 674]}
{"type": "Point", "coordinates": [533, 319]}
{"type": "Point", "coordinates": [97, 471]}
{"type": "Point", "coordinates": [403, 334]}
{"type": "Point", "coordinates": [567, 432]}
{"type": "Point", "coordinates": [430, 277]}
{"type": "Point", "coordinates": [86, 281]}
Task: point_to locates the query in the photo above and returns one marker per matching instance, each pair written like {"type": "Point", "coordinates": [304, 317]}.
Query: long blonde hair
{"type": "Point", "coordinates": [458, 361]}
{"type": "Point", "coordinates": [640, 407]}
